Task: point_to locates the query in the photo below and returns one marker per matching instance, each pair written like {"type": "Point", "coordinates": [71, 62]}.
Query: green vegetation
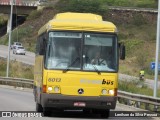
{"type": "Point", "coordinates": [98, 5]}
{"type": "Point", "coordinates": [17, 69]}
{"type": "Point", "coordinates": [93, 6]}
{"type": "Point", "coordinates": [22, 34]}
{"type": "Point", "coordinates": [3, 19]}
{"type": "Point", "coordinates": [140, 48]}
{"type": "Point", "coordinates": [136, 87]}
{"type": "Point", "coordinates": [34, 14]}
{"type": "Point", "coordinates": [133, 3]}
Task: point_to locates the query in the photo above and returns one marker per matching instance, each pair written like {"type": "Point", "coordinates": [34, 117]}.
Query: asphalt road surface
{"type": "Point", "coordinates": [15, 99]}
{"type": "Point", "coordinates": [28, 58]}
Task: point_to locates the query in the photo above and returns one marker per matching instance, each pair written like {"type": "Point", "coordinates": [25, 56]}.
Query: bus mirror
{"type": "Point", "coordinates": [122, 51]}
{"type": "Point", "coordinates": [42, 46]}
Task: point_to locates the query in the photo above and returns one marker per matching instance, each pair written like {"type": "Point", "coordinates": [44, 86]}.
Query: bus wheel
{"type": "Point", "coordinates": [39, 107]}
{"type": "Point", "coordinates": [105, 113]}
{"type": "Point", "coordinates": [46, 112]}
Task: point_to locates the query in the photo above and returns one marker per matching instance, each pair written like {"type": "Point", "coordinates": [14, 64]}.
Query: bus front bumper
{"type": "Point", "coordinates": [84, 102]}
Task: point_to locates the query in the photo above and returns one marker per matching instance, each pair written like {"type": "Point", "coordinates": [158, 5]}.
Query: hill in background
{"type": "Point", "coordinates": [138, 33]}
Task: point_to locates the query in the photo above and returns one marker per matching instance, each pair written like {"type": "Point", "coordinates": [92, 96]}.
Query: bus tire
{"type": "Point", "coordinates": [46, 112]}
{"type": "Point", "coordinates": [39, 107]}
{"type": "Point", "coordinates": [105, 113]}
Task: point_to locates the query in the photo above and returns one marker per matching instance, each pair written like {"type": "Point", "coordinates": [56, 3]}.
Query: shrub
{"type": "Point", "coordinates": [132, 45]}
{"type": "Point", "coordinates": [141, 58]}
{"type": "Point", "coordinates": [2, 20]}
{"type": "Point", "coordinates": [138, 20]}
{"type": "Point", "coordinates": [34, 14]}
{"type": "Point", "coordinates": [89, 6]}
{"type": "Point", "coordinates": [17, 69]}
{"type": "Point", "coordinates": [128, 86]}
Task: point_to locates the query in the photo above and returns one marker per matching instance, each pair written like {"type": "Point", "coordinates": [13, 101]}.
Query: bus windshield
{"type": "Point", "coordinates": [82, 51]}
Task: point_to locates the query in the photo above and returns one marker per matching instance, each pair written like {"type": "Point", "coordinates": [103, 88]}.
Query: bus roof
{"type": "Point", "coordinates": [78, 22]}
{"type": "Point", "coordinates": [78, 16]}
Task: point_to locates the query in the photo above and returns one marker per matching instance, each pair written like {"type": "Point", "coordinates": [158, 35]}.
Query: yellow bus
{"type": "Point", "coordinates": [76, 64]}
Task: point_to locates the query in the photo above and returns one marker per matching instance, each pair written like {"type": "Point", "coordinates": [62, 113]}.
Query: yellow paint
{"type": "Point", "coordinates": [38, 71]}
{"type": "Point", "coordinates": [78, 22]}
{"type": "Point", "coordinates": [72, 81]}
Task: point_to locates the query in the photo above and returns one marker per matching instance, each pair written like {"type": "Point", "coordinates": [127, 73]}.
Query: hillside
{"type": "Point", "coordinates": [138, 33]}
{"type": "Point", "coordinates": [27, 32]}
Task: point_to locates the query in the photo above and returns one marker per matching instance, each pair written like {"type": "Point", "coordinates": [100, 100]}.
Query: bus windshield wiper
{"type": "Point", "coordinates": [74, 61]}
{"type": "Point", "coordinates": [96, 69]}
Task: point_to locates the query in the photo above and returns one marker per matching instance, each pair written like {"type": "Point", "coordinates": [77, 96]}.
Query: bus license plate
{"type": "Point", "coordinates": [79, 104]}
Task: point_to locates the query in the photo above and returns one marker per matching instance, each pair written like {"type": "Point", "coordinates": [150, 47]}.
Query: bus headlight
{"type": "Point", "coordinates": [50, 89]}
{"type": "Point", "coordinates": [111, 92]}
{"type": "Point", "coordinates": [104, 91]}
{"type": "Point", "coordinates": [56, 89]}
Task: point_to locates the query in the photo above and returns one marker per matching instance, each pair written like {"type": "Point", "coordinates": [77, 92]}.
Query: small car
{"type": "Point", "coordinates": [19, 50]}
{"type": "Point", "coordinates": [15, 44]}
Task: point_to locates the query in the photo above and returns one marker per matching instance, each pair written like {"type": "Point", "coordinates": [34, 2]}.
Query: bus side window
{"type": "Point", "coordinates": [37, 47]}
{"type": "Point", "coordinates": [42, 44]}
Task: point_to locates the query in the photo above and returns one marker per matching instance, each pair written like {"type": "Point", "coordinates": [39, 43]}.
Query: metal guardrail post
{"type": "Point", "coordinates": [146, 106]}
{"type": "Point", "coordinates": [21, 84]}
{"type": "Point", "coordinates": [138, 104]}
{"type": "Point", "coordinates": [129, 102]}
{"type": "Point", "coordinates": [155, 108]}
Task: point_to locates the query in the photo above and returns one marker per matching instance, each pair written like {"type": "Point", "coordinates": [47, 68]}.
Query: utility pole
{"type": "Point", "coordinates": [9, 42]}
{"type": "Point", "coordinates": [157, 52]}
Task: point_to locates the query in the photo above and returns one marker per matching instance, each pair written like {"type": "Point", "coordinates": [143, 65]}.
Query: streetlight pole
{"type": "Point", "coordinates": [157, 52]}
{"type": "Point", "coordinates": [9, 42]}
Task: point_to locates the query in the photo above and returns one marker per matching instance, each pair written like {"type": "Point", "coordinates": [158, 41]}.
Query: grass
{"type": "Point", "coordinates": [133, 3]}
{"type": "Point", "coordinates": [17, 69]}
{"type": "Point", "coordinates": [124, 3]}
{"type": "Point", "coordinates": [136, 87]}
{"type": "Point", "coordinates": [34, 14]}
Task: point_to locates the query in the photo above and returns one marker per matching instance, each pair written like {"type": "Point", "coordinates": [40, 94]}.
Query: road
{"type": "Point", "coordinates": [29, 58]}
{"type": "Point", "coordinates": [12, 99]}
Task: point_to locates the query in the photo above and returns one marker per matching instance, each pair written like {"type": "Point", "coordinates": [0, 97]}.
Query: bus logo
{"type": "Point", "coordinates": [80, 91]}
{"type": "Point", "coordinates": [108, 82]}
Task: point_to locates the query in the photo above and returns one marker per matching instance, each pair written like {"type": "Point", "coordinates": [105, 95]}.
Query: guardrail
{"type": "Point", "coordinates": [137, 100]}
{"type": "Point", "coordinates": [17, 82]}
{"type": "Point", "coordinates": [125, 97]}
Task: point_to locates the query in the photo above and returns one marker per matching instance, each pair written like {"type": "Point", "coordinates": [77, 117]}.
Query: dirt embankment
{"type": "Point", "coordinates": [116, 16]}
{"type": "Point", "coordinates": [127, 16]}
